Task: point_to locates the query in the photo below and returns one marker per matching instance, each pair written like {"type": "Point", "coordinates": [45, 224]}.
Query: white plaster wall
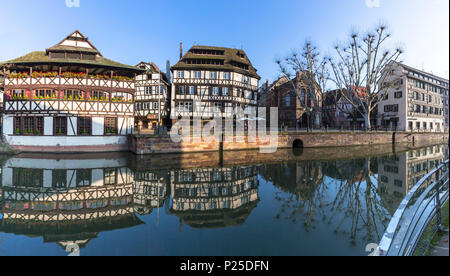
{"type": "Point", "coordinates": [44, 141]}
{"type": "Point", "coordinates": [122, 126]}
{"type": "Point", "coordinates": [8, 125]}
{"type": "Point", "coordinates": [7, 174]}
{"type": "Point", "coordinates": [97, 178]}
{"type": "Point", "coordinates": [130, 125]}
{"type": "Point", "coordinates": [48, 177]}
{"type": "Point", "coordinates": [254, 82]}
{"type": "Point", "coordinates": [428, 121]}
{"type": "Point", "coordinates": [71, 178]}
{"type": "Point", "coordinates": [72, 126]}
{"type": "Point", "coordinates": [34, 163]}
{"type": "Point", "coordinates": [48, 125]}
{"type": "Point", "coordinates": [98, 126]}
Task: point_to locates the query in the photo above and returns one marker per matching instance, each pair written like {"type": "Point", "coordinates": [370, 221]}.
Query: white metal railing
{"type": "Point", "coordinates": [416, 212]}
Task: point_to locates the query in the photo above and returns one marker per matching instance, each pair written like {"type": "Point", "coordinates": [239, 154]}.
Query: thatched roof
{"type": "Point", "coordinates": [230, 57]}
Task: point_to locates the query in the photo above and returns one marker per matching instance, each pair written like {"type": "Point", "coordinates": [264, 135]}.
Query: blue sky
{"type": "Point", "coordinates": [151, 30]}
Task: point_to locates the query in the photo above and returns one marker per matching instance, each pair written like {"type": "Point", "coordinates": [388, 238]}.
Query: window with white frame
{"type": "Point", "coordinates": [191, 90]}
{"type": "Point", "coordinates": [216, 91]}
{"type": "Point", "coordinates": [185, 106]}
{"type": "Point", "coordinates": [188, 106]}
{"type": "Point", "coordinates": [218, 106]}
{"type": "Point", "coordinates": [197, 74]}
{"type": "Point", "coordinates": [180, 74]}
{"type": "Point", "coordinates": [227, 76]}
{"type": "Point", "coordinates": [213, 75]}
{"type": "Point", "coordinates": [226, 91]}
{"type": "Point", "coordinates": [181, 106]}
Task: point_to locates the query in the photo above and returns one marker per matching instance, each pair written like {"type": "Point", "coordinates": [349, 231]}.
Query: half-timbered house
{"type": "Point", "coordinates": [152, 97]}
{"type": "Point", "coordinates": [68, 98]}
{"type": "Point", "coordinates": [217, 79]}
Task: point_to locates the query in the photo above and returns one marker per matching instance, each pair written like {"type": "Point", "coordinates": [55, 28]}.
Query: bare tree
{"type": "Point", "coordinates": [310, 69]}
{"type": "Point", "coordinates": [360, 70]}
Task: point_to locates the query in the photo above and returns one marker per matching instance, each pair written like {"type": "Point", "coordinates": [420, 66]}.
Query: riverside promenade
{"type": "Point", "coordinates": [441, 250]}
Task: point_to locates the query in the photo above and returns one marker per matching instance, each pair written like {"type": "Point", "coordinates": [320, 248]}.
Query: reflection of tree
{"type": "Point", "coordinates": [300, 185]}
{"type": "Point", "coordinates": [343, 194]}
{"type": "Point", "coordinates": [357, 200]}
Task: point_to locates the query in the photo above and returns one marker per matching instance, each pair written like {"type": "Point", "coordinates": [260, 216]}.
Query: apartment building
{"type": "Point", "coordinates": [414, 100]}
{"type": "Point", "coordinates": [216, 78]}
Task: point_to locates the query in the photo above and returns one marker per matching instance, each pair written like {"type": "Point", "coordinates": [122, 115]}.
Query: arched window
{"type": "Point", "coordinates": [303, 97]}
{"type": "Point", "coordinates": [287, 100]}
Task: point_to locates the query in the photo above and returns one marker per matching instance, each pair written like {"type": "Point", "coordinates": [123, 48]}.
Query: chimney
{"type": "Point", "coordinates": [168, 71]}
{"type": "Point", "coordinates": [181, 50]}
{"type": "Point", "coordinates": [267, 84]}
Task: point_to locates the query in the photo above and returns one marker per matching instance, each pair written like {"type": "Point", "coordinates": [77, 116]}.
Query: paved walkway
{"type": "Point", "coordinates": [442, 248]}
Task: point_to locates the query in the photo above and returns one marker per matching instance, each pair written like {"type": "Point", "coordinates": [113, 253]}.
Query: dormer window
{"type": "Point", "coordinates": [73, 55]}
{"type": "Point", "coordinates": [57, 55]}
{"type": "Point", "coordinates": [88, 56]}
{"type": "Point", "coordinates": [241, 55]}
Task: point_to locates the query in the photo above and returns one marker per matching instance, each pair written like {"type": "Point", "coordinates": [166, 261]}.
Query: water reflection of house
{"type": "Point", "coordinates": [43, 197]}
{"type": "Point", "coordinates": [398, 174]}
{"type": "Point", "coordinates": [150, 190]}
{"type": "Point", "coordinates": [214, 197]}
{"type": "Point", "coordinates": [300, 179]}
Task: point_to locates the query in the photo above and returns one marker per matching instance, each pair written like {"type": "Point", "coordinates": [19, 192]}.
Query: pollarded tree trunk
{"type": "Point", "coordinates": [367, 121]}
{"type": "Point", "coordinates": [317, 120]}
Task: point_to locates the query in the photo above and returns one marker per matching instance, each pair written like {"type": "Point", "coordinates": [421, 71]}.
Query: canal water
{"type": "Point", "coordinates": [310, 202]}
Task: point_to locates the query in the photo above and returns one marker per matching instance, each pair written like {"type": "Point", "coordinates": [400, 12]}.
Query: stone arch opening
{"type": "Point", "coordinates": [297, 144]}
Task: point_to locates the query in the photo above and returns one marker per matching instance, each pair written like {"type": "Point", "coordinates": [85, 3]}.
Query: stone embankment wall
{"type": "Point", "coordinates": [146, 144]}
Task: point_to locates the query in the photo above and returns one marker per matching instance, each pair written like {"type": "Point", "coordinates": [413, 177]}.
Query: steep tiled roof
{"type": "Point", "coordinates": [75, 42]}
{"type": "Point", "coordinates": [41, 57]}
